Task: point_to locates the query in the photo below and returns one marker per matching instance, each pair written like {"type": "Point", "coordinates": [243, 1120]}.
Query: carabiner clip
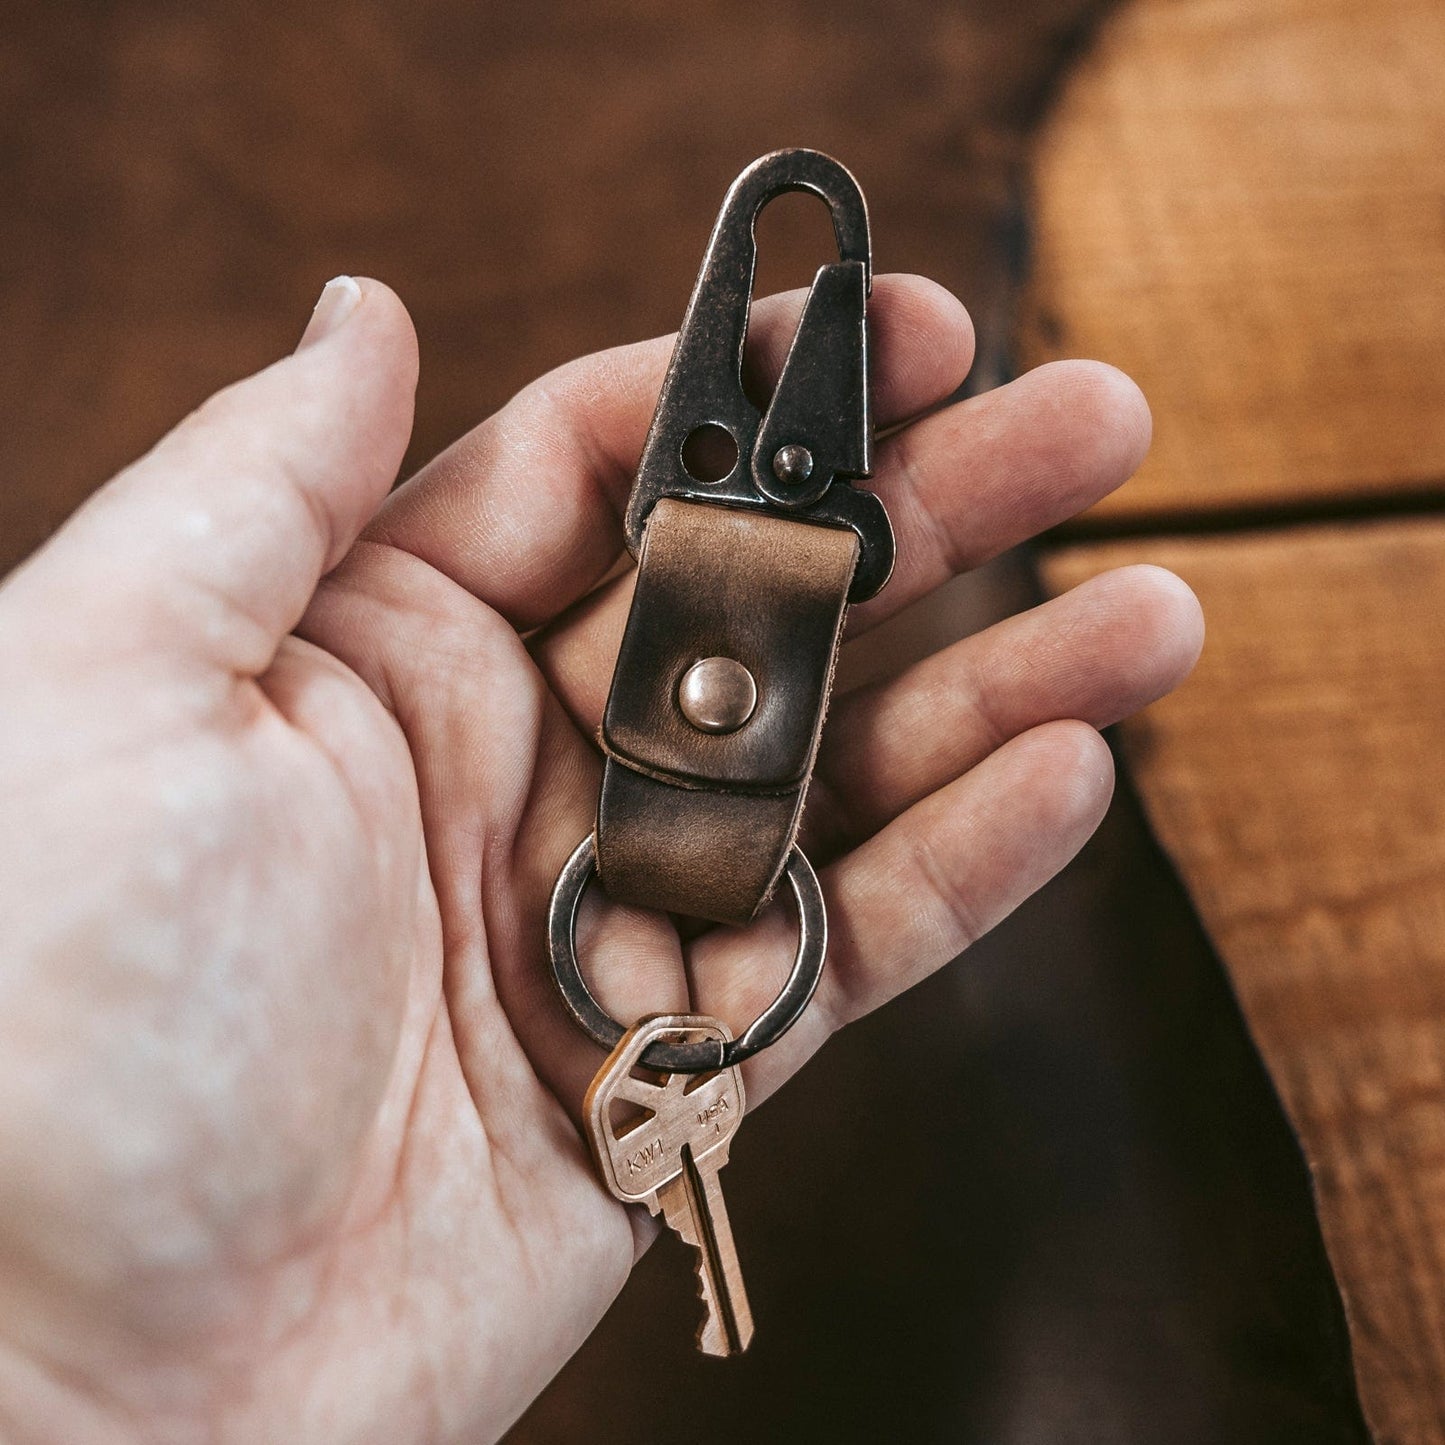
{"type": "Point", "coordinates": [800, 458]}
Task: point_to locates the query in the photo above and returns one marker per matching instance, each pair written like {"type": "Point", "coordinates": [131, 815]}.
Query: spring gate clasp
{"type": "Point", "coordinates": [799, 457]}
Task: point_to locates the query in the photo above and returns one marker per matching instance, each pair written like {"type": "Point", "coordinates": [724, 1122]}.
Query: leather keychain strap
{"type": "Point", "coordinates": [721, 685]}
{"type": "Point", "coordinates": [697, 814]}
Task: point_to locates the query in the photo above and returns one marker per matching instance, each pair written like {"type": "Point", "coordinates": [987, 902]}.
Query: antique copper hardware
{"type": "Point", "coordinates": [699, 1057]}
{"type": "Point", "coordinates": [821, 407]}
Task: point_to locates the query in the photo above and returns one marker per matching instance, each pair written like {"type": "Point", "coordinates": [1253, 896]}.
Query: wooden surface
{"type": "Point", "coordinates": [1298, 781]}
{"type": "Point", "coordinates": [1239, 202]}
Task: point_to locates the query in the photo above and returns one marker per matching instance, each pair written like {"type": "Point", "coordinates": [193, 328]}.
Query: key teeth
{"type": "Point", "coordinates": [711, 1337]}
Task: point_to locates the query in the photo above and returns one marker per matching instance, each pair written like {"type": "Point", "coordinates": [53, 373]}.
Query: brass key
{"type": "Point", "coordinates": [660, 1140]}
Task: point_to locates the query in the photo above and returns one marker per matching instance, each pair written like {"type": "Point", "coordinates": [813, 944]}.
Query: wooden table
{"type": "Point", "coordinates": [1239, 203]}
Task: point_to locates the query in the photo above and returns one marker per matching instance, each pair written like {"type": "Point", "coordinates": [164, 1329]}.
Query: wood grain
{"type": "Point", "coordinates": [1239, 202]}
{"type": "Point", "coordinates": [1298, 782]}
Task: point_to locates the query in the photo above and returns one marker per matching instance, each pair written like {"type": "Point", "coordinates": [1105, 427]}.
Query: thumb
{"type": "Point", "coordinates": [213, 542]}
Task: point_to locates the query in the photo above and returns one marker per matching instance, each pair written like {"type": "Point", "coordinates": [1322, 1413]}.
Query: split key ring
{"type": "Point", "coordinates": [704, 1055]}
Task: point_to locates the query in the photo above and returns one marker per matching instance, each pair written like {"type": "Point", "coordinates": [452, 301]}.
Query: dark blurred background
{"type": "Point", "coordinates": [536, 181]}
{"type": "Point", "coordinates": [1098, 1228]}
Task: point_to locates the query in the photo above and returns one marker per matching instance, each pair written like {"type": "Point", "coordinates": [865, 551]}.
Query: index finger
{"type": "Point", "coordinates": [525, 510]}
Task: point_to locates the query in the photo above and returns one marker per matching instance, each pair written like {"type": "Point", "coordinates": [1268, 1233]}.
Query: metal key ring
{"type": "Point", "coordinates": [706, 1054]}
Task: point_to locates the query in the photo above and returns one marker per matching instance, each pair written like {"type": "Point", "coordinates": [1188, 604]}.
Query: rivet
{"type": "Point", "coordinates": [792, 464]}
{"type": "Point", "coordinates": [717, 695]}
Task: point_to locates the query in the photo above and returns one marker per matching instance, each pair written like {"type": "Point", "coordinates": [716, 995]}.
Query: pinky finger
{"type": "Point", "coordinates": [931, 883]}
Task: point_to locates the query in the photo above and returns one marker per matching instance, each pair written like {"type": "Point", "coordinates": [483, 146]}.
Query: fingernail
{"type": "Point", "coordinates": [339, 298]}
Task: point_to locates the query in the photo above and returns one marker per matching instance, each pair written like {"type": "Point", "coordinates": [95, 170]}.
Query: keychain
{"type": "Point", "coordinates": [719, 694]}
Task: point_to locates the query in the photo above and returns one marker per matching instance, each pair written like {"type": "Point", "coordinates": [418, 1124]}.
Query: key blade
{"type": "Point", "coordinates": [732, 1312]}
{"type": "Point", "coordinates": [694, 1208]}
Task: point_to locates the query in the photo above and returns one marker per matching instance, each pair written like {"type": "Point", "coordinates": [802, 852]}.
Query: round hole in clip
{"type": "Point", "coordinates": [709, 453]}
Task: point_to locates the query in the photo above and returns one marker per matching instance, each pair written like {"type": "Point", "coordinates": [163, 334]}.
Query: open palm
{"type": "Point", "coordinates": [288, 1140]}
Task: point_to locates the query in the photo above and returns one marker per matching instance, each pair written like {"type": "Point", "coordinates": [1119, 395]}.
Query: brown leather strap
{"type": "Point", "coordinates": [699, 822]}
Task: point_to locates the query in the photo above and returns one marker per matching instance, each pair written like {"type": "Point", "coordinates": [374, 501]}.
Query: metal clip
{"type": "Point", "coordinates": [798, 459]}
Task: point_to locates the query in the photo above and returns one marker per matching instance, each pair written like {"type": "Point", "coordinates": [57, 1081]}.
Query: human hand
{"type": "Point", "coordinates": [288, 1107]}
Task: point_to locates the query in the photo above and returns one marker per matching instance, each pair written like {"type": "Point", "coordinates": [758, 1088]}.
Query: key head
{"type": "Point", "coordinates": [639, 1146]}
